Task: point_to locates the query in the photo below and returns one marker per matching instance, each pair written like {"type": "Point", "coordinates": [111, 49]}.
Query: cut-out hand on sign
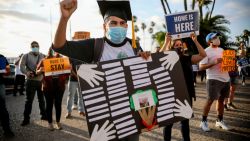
{"type": "Point", "coordinates": [148, 117]}
{"type": "Point", "coordinates": [182, 110]}
{"type": "Point", "coordinates": [103, 134]}
{"type": "Point", "coordinates": [90, 75]}
{"type": "Point", "coordinates": [169, 60]}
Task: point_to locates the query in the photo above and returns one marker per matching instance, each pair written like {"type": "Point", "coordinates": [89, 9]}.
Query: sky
{"type": "Point", "coordinates": [24, 21]}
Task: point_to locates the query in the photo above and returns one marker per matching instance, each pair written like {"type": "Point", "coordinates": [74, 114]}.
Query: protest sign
{"type": "Point", "coordinates": [229, 61]}
{"type": "Point", "coordinates": [243, 62]}
{"type": "Point", "coordinates": [180, 25]}
{"type": "Point", "coordinates": [80, 35]}
{"type": "Point", "coordinates": [55, 66]}
{"type": "Point", "coordinates": [129, 96]}
{"type": "Point", "coordinates": [2, 65]}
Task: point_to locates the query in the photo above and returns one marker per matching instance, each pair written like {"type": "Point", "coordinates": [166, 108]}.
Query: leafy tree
{"type": "Point", "coordinates": [214, 24]}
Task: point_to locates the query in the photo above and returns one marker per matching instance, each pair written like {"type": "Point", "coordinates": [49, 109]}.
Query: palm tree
{"type": "Point", "coordinates": [201, 4]}
{"type": "Point", "coordinates": [143, 27]}
{"type": "Point", "coordinates": [185, 5]}
{"type": "Point", "coordinates": [245, 37]}
{"type": "Point", "coordinates": [214, 24]}
{"type": "Point", "coordinates": [136, 27]}
{"type": "Point", "coordinates": [135, 19]}
{"type": "Point", "coordinates": [151, 28]}
{"type": "Point", "coordinates": [164, 7]}
{"type": "Point", "coordinates": [164, 3]}
{"type": "Point", "coordinates": [193, 4]}
{"type": "Point", "coordinates": [159, 37]}
{"type": "Point", "coordinates": [168, 6]}
{"type": "Point", "coordinates": [212, 9]}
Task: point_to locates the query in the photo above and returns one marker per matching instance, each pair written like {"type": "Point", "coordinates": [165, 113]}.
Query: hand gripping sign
{"type": "Point", "coordinates": [132, 95]}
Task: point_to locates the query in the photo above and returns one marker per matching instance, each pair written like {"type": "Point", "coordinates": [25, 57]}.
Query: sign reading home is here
{"type": "Point", "coordinates": [180, 25]}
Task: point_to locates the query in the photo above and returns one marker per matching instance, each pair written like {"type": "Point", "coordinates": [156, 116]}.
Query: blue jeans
{"type": "Point", "coordinates": [73, 89]}
{"type": "Point", "coordinates": [185, 131]}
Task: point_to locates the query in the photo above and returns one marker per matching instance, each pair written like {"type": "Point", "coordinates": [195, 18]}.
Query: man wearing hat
{"type": "Point", "coordinates": [218, 85]}
{"type": "Point", "coordinates": [114, 44]}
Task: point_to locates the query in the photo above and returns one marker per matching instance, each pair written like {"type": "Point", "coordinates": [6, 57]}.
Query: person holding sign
{"type": "Point", "coordinates": [228, 103]}
{"type": "Point", "coordinates": [186, 62]}
{"type": "Point", "coordinates": [218, 85]}
{"type": "Point", "coordinates": [4, 116]}
{"type": "Point", "coordinates": [114, 44]}
{"type": "Point", "coordinates": [243, 63]}
{"type": "Point", "coordinates": [53, 87]}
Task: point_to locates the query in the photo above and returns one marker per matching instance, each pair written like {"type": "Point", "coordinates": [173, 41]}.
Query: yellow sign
{"type": "Point", "coordinates": [228, 63]}
{"type": "Point", "coordinates": [80, 35]}
{"type": "Point", "coordinates": [55, 66]}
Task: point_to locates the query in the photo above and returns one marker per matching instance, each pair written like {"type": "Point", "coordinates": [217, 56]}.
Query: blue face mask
{"type": "Point", "coordinates": [116, 34]}
{"type": "Point", "coordinates": [35, 49]}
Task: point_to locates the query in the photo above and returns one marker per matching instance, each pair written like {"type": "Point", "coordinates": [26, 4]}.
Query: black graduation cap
{"type": "Point", "coordinates": [118, 8]}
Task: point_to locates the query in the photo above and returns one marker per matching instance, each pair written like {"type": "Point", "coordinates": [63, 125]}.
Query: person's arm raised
{"type": "Point", "coordinates": [167, 43]}
{"type": "Point", "coordinates": [202, 54]}
{"type": "Point", "coordinates": [67, 9]}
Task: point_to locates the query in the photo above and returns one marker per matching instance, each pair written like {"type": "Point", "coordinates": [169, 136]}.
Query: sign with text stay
{"type": "Point", "coordinates": [180, 25]}
{"type": "Point", "coordinates": [56, 66]}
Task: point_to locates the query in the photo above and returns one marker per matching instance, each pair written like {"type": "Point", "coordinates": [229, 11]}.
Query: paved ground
{"type": "Point", "coordinates": [75, 129]}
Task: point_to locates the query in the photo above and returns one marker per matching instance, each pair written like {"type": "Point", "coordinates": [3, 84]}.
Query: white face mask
{"type": "Point", "coordinates": [216, 42]}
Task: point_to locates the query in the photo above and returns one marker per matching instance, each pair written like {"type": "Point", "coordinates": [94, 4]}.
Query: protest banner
{"type": "Point", "coordinates": [129, 96]}
{"type": "Point", "coordinates": [80, 35]}
{"type": "Point", "coordinates": [180, 25]}
{"type": "Point", "coordinates": [243, 62]}
{"type": "Point", "coordinates": [229, 61]}
{"type": "Point", "coordinates": [56, 66]}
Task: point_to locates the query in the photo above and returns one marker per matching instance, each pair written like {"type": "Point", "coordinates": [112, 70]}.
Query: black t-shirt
{"type": "Point", "coordinates": [3, 64]}
{"type": "Point", "coordinates": [186, 64]}
{"type": "Point", "coordinates": [83, 50]}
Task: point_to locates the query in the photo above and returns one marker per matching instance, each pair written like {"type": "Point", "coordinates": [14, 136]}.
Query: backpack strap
{"type": "Point", "coordinates": [98, 49]}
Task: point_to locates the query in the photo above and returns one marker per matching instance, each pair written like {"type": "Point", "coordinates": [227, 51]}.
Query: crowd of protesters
{"type": "Point", "coordinates": [220, 86]}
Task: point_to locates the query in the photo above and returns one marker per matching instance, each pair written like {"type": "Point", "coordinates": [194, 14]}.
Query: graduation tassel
{"type": "Point", "coordinates": [133, 34]}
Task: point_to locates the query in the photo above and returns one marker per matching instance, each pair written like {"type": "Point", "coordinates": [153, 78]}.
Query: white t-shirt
{"type": "Point", "coordinates": [111, 53]}
{"type": "Point", "coordinates": [214, 72]}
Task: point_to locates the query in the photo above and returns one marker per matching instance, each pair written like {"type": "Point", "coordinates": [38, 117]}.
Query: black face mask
{"type": "Point", "coordinates": [179, 51]}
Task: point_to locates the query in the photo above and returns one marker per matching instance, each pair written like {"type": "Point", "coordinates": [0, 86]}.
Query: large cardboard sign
{"type": "Point", "coordinates": [229, 61]}
{"type": "Point", "coordinates": [2, 65]}
{"type": "Point", "coordinates": [180, 25]}
{"type": "Point", "coordinates": [56, 66]}
{"type": "Point", "coordinates": [128, 96]}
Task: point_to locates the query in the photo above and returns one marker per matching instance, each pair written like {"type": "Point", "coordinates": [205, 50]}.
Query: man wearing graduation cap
{"type": "Point", "coordinates": [114, 45]}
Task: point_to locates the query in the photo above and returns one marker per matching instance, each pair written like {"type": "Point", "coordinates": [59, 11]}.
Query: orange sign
{"type": "Point", "coordinates": [55, 66]}
{"type": "Point", "coordinates": [81, 35]}
{"type": "Point", "coordinates": [228, 63]}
